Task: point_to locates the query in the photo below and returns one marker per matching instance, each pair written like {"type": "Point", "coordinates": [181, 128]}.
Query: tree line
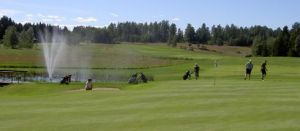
{"type": "Point", "coordinates": [264, 41]}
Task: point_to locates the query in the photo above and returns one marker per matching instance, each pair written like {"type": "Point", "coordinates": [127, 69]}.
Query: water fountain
{"type": "Point", "coordinates": [53, 46]}
{"type": "Point", "coordinates": [61, 60]}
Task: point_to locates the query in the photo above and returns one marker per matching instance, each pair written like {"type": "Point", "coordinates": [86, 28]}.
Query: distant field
{"type": "Point", "coordinates": [93, 56]}
{"type": "Point", "coordinates": [221, 50]}
{"type": "Point", "coordinates": [219, 100]}
{"type": "Point", "coordinates": [112, 56]}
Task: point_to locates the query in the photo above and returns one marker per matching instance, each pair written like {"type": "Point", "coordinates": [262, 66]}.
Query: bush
{"type": "Point", "coordinates": [10, 38]}
{"type": "Point", "coordinates": [26, 38]}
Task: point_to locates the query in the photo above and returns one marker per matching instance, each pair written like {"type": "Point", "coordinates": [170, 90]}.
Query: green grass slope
{"type": "Point", "coordinates": [168, 103]}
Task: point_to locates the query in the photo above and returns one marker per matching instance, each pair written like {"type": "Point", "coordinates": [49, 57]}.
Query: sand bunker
{"type": "Point", "coordinates": [96, 89]}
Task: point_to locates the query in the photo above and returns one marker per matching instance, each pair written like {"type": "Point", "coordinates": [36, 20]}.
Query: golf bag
{"type": "Point", "coordinates": [187, 75]}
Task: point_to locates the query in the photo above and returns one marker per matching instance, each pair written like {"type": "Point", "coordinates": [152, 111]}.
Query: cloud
{"type": "Point", "coordinates": [176, 19]}
{"type": "Point", "coordinates": [161, 16]}
{"type": "Point", "coordinates": [29, 15]}
{"type": "Point", "coordinates": [8, 12]}
{"type": "Point", "coordinates": [39, 17]}
{"type": "Point", "coordinates": [85, 20]}
{"type": "Point", "coordinates": [114, 15]}
{"type": "Point", "coordinates": [69, 26]}
{"type": "Point", "coordinates": [48, 18]}
{"type": "Point", "coordinates": [29, 18]}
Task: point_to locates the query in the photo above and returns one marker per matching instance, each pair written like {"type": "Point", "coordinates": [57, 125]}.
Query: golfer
{"type": "Point", "coordinates": [249, 67]}
{"type": "Point", "coordinates": [196, 70]}
{"type": "Point", "coordinates": [88, 85]}
{"type": "Point", "coordinates": [263, 70]}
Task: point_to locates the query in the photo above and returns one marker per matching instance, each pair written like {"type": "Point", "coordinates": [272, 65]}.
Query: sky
{"type": "Point", "coordinates": [99, 13]}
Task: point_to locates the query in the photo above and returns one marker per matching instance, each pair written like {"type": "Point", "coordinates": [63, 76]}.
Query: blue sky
{"type": "Point", "coordinates": [99, 13]}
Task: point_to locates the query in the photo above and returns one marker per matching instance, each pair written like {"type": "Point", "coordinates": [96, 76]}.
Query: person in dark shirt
{"type": "Point", "coordinates": [263, 70]}
{"type": "Point", "coordinates": [66, 79]}
{"type": "Point", "coordinates": [196, 71]}
{"type": "Point", "coordinates": [143, 77]}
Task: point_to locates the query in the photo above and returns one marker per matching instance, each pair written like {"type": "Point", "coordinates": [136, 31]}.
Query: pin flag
{"type": "Point", "coordinates": [216, 63]}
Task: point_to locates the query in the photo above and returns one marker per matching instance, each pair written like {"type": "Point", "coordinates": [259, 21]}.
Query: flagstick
{"type": "Point", "coordinates": [215, 66]}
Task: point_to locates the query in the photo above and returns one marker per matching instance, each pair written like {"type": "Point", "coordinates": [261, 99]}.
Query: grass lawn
{"type": "Point", "coordinates": [168, 103]}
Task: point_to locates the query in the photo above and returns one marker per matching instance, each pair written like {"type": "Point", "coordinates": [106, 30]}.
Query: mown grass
{"type": "Point", "coordinates": [168, 103]}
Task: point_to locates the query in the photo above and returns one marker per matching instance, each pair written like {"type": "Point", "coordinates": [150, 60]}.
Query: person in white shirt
{"type": "Point", "coordinates": [88, 85]}
{"type": "Point", "coordinates": [249, 67]}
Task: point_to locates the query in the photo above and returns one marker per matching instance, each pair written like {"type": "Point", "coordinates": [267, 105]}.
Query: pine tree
{"type": "Point", "coordinates": [172, 40]}
{"type": "Point", "coordinates": [179, 37]}
{"type": "Point", "coordinates": [190, 34]}
{"type": "Point", "coordinates": [5, 22]}
{"type": "Point", "coordinates": [281, 44]}
{"type": "Point", "coordinates": [297, 46]}
{"type": "Point", "coordinates": [202, 34]}
{"type": "Point", "coordinates": [295, 32]}
{"type": "Point", "coordinates": [217, 35]}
